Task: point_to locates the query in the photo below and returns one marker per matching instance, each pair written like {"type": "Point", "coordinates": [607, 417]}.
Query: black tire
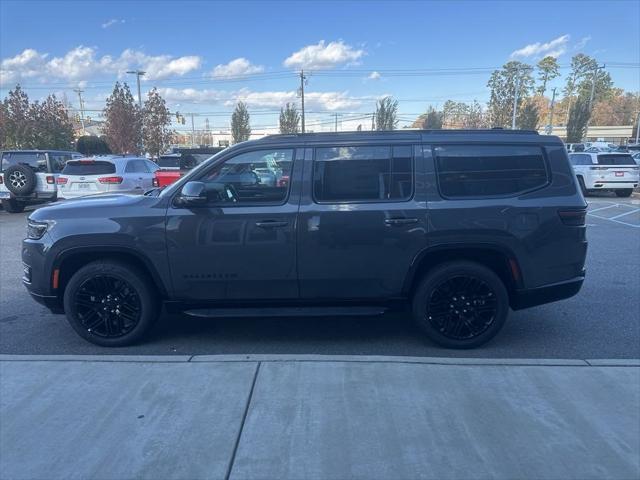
{"type": "Point", "coordinates": [625, 192]}
{"type": "Point", "coordinates": [95, 310]}
{"type": "Point", "coordinates": [455, 320]}
{"type": "Point", "coordinates": [12, 206]}
{"type": "Point", "coordinates": [585, 192]}
{"type": "Point", "coordinates": [20, 179]}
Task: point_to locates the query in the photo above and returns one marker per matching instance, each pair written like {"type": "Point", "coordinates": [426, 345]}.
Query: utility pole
{"type": "Point", "coordinates": [138, 74]}
{"type": "Point", "coordinates": [373, 121]}
{"type": "Point", "coordinates": [553, 101]}
{"type": "Point", "coordinates": [193, 131]}
{"type": "Point", "coordinates": [80, 92]}
{"type": "Point", "coordinates": [336, 122]}
{"type": "Point", "coordinates": [302, 81]}
{"type": "Point", "coordinates": [593, 91]}
{"type": "Point", "coordinates": [206, 129]}
{"type": "Point", "coordinates": [515, 101]}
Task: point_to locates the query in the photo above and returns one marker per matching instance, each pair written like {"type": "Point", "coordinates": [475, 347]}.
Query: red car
{"type": "Point", "coordinates": [174, 165]}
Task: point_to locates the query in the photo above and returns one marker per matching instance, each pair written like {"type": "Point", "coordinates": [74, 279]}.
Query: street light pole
{"type": "Point", "coordinates": [553, 102]}
{"type": "Point", "coordinates": [79, 92]}
{"type": "Point", "coordinates": [138, 74]}
{"type": "Point", "coordinates": [302, 80]}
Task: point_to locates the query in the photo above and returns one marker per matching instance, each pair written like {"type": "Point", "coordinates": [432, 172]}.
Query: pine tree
{"type": "Point", "coordinates": [240, 128]}
{"type": "Point", "coordinates": [156, 119]}
{"type": "Point", "coordinates": [123, 125]}
{"type": "Point", "coordinates": [289, 119]}
{"type": "Point", "coordinates": [528, 116]}
{"type": "Point", "coordinates": [548, 70]}
{"type": "Point", "coordinates": [503, 86]}
{"type": "Point", "coordinates": [386, 114]}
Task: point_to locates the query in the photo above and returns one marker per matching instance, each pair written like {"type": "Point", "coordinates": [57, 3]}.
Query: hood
{"type": "Point", "coordinates": [91, 206]}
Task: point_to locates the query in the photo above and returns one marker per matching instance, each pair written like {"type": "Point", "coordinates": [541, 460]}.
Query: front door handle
{"type": "Point", "coordinates": [271, 224]}
{"type": "Point", "coordinates": [400, 221]}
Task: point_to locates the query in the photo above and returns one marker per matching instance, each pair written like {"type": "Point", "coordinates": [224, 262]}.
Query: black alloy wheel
{"type": "Point", "coordinates": [108, 306]}
{"type": "Point", "coordinates": [110, 303]}
{"type": "Point", "coordinates": [460, 304]}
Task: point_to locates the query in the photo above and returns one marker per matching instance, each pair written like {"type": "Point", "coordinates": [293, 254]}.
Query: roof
{"type": "Point", "coordinates": [34, 150]}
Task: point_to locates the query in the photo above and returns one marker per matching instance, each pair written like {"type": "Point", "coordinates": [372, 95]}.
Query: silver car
{"type": "Point", "coordinates": [106, 174]}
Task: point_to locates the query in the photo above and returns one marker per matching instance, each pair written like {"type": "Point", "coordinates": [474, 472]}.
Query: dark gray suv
{"type": "Point", "coordinates": [458, 226]}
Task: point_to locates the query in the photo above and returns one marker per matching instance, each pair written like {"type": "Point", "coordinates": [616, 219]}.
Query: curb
{"type": "Point", "coordinates": [550, 362]}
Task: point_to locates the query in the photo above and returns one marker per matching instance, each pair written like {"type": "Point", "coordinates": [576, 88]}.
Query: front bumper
{"type": "Point", "coordinates": [54, 304]}
{"type": "Point", "coordinates": [546, 294]}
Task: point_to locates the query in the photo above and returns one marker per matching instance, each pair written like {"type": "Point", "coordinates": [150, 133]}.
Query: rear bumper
{"type": "Point", "coordinates": [546, 294]}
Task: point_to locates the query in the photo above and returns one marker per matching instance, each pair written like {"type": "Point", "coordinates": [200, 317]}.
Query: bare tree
{"type": "Point", "coordinates": [156, 119]}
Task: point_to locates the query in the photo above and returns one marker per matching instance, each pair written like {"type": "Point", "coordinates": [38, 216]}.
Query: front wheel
{"type": "Point", "coordinates": [110, 304]}
{"type": "Point", "coordinates": [460, 304]}
{"type": "Point", "coordinates": [12, 206]}
{"type": "Point", "coordinates": [624, 192]}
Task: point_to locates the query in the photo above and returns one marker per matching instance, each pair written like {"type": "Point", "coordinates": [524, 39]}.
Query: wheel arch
{"type": "Point", "coordinates": [499, 259]}
{"type": "Point", "coordinates": [71, 260]}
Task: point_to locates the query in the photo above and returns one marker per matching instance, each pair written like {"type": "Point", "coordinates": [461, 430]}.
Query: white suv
{"type": "Point", "coordinates": [611, 171]}
{"type": "Point", "coordinates": [106, 174]}
{"type": "Point", "coordinates": [28, 177]}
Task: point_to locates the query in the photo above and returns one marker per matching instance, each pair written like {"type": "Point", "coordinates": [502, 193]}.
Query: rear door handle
{"type": "Point", "coordinates": [400, 221]}
{"type": "Point", "coordinates": [271, 224]}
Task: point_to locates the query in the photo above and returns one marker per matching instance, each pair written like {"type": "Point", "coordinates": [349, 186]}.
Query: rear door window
{"type": "Point", "coordinates": [35, 160]}
{"type": "Point", "coordinates": [88, 167]}
{"type": "Point", "coordinates": [489, 170]}
{"type": "Point", "coordinates": [363, 173]}
{"type": "Point", "coordinates": [616, 160]}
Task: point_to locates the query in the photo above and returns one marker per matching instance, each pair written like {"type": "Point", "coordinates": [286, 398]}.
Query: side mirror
{"type": "Point", "coordinates": [193, 194]}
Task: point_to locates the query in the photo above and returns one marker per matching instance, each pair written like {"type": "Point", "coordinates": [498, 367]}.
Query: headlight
{"type": "Point", "coordinates": [35, 230]}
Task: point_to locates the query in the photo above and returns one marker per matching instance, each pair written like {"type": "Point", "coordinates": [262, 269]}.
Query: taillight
{"type": "Point", "coordinates": [573, 218]}
{"type": "Point", "coordinates": [110, 180]}
{"type": "Point", "coordinates": [51, 179]}
{"type": "Point", "coordinates": [155, 182]}
{"type": "Point", "coordinates": [1, 180]}
{"type": "Point", "coordinates": [61, 181]}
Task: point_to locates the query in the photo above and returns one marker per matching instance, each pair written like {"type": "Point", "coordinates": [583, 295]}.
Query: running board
{"type": "Point", "coordinates": [286, 312]}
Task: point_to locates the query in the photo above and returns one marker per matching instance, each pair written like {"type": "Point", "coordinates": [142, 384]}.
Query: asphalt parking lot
{"type": "Point", "coordinates": [602, 321]}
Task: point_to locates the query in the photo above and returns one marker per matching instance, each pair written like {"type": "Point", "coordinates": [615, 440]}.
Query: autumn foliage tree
{"type": "Point", "coordinates": [156, 120]}
{"type": "Point", "coordinates": [123, 121]}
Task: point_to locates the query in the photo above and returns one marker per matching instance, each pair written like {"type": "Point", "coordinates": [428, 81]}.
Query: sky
{"type": "Point", "coordinates": [205, 56]}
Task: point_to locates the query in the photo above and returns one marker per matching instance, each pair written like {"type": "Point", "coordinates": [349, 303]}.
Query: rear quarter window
{"type": "Point", "coordinates": [80, 167]}
{"type": "Point", "coordinates": [35, 160]}
{"type": "Point", "coordinates": [489, 170]}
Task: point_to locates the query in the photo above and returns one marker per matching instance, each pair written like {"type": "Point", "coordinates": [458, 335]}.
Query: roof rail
{"type": "Point", "coordinates": [484, 131]}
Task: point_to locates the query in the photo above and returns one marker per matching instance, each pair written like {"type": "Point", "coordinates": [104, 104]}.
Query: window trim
{"type": "Point", "coordinates": [436, 168]}
{"type": "Point", "coordinates": [364, 202]}
{"type": "Point", "coordinates": [222, 161]}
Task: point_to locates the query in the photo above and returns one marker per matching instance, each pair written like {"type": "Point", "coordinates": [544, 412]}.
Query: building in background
{"type": "Point", "coordinates": [620, 134]}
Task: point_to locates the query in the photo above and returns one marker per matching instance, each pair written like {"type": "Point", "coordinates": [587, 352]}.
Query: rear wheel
{"type": "Point", "coordinates": [110, 303]}
{"type": "Point", "coordinates": [12, 206]}
{"type": "Point", "coordinates": [624, 192]}
{"type": "Point", "coordinates": [460, 304]}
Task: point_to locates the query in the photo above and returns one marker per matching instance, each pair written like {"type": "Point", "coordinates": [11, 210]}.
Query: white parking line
{"type": "Point", "coordinates": [623, 214]}
{"type": "Point", "coordinates": [616, 221]}
{"type": "Point", "coordinates": [603, 208]}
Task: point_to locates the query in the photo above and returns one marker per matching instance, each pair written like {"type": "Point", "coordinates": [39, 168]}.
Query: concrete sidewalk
{"type": "Point", "coordinates": [295, 417]}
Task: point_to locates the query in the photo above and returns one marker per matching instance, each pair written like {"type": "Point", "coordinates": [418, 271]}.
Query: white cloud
{"type": "Point", "coordinates": [239, 66]}
{"type": "Point", "coordinates": [112, 22]}
{"type": "Point", "coordinates": [325, 101]}
{"type": "Point", "coordinates": [374, 76]}
{"type": "Point", "coordinates": [582, 43]}
{"type": "Point", "coordinates": [323, 55]}
{"type": "Point", "coordinates": [82, 63]}
{"type": "Point", "coordinates": [553, 48]}
{"type": "Point", "coordinates": [27, 64]}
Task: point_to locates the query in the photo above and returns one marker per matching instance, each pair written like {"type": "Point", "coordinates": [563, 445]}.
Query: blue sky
{"type": "Point", "coordinates": [194, 51]}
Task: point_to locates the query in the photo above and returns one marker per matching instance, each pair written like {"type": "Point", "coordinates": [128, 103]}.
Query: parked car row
{"type": "Point", "coordinates": [32, 177]}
